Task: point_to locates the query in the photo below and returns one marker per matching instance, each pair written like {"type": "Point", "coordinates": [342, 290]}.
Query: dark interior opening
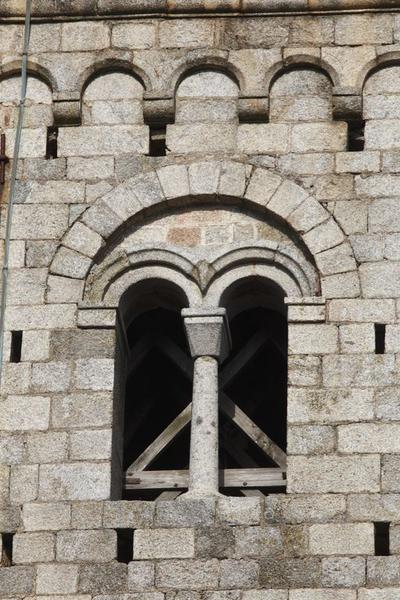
{"type": "Point", "coordinates": [380, 334]}
{"type": "Point", "coordinates": [157, 390]}
{"type": "Point", "coordinates": [7, 552]}
{"type": "Point", "coordinates": [258, 325]}
{"type": "Point", "coordinates": [158, 383]}
{"type": "Point", "coordinates": [52, 142]}
{"type": "Point", "coordinates": [124, 545]}
{"type": "Point", "coordinates": [356, 137]}
{"type": "Point", "coordinates": [16, 346]}
{"type": "Point", "coordinates": [382, 539]}
{"type": "Point", "coordinates": [158, 144]}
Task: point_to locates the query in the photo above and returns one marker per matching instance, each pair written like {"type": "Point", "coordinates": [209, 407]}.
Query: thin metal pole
{"type": "Point", "coordinates": [11, 197]}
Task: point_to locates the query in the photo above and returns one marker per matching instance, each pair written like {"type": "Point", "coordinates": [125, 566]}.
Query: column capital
{"type": "Point", "coordinates": [207, 330]}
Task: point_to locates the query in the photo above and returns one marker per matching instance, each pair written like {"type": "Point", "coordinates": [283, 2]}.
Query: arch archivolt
{"type": "Point", "coordinates": [295, 248]}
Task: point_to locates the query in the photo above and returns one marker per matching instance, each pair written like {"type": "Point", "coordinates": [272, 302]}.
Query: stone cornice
{"type": "Point", "coordinates": [137, 8]}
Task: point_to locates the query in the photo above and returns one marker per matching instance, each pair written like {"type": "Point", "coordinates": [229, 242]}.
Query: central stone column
{"type": "Point", "coordinates": [209, 341]}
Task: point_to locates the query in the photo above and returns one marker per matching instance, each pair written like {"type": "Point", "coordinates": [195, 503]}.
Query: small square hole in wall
{"type": "Point", "coordinates": [124, 545]}
{"type": "Point", "coordinates": [52, 142]}
{"type": "Point", "coordinates": [158, 144]}
{"type": "Point", "coordinates": [356, 139]}
{"type": "Point", "coordinates": [7, 549]}
{"type": "Point", "coordinates": [16, 346]}
{"type": "Point", "coordinates": [380, 335]}
{"type": "Point", "coordinates": [382, 539]}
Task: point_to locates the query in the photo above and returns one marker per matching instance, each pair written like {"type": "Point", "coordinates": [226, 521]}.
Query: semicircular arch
{"type": "Point", "coordinates": [262, 191]}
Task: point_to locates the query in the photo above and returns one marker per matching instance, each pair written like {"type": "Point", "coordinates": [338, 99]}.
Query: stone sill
{"type": "Point", "coordinates": [127, 8]}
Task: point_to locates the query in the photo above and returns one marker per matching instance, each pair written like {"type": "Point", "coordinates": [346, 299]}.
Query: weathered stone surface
{"type": "Point", "coordinates": [52, 376]}
{"type": "Point", "coordinates": [391, 473]}
{"type": "Point", "coordinates": [369, 438]}
{"type": "Point", "coordinates": [141, 576]}
{"type": "Point", "coordinates": [33, 548]}
{"type": "Point", "coordinates": [82, 410]}
{"type": "Point", "coordinates": [49, 446]}
{"type": "Point", "coordinates": [90, 445]}
{"type": "Point", "coordinates": [24, 413]}
{"type": "Point", "coordinates": [184, 574]}
{"type": "Point", "coordinates": [239, 511]}
{"type": "Point", "coordinates": [343, 572]}
{"type": "Point", "coordinates": [75, 481]}
{"type": "Point", "coordinates": [343, 538]}
{"type": "Point", "coordinates": [88, 545]}
{"type": "Point", "coordinates": [294, 573]}
{"type": "Point", "coordinates": [94, 374]}
{"type": "Point", "coordinates": [330, 406]}
{"type": "Point", "coordinates": [126, 515]}
{"type": "Point", "coordinates": [103, 578]}
{"type": "Point", "coordinates": [87, 515]}
{"type": "Point", "coordinates": [311, 439]}
{"type": "Point", "coordinates": [188, 513]}
{"type": "Point", "coordinates": [57, 579]}
{"type": "Point", "coordinates": [334, 474]}
{"type": "Point", "coordinates": [163, 543]}
{"type": "Point", "coordinates": [318, 508]}
{"type": "Point", "coordinates": [17, 580]}
{"type": "Point", "coordinates": [214, 542]}
{"type": "Point", "coordinates": [39, 222]}
{"type": "Point", "coordinates": [359, 370]}
{"type": "Point", "coordinates": [239, 573]}
{"type": "Point", "coordinates": [382, 570]}
{"type": "Point", "coordinates": [42, 516]}
{"type": "Point", "coordinates": [258, 541]}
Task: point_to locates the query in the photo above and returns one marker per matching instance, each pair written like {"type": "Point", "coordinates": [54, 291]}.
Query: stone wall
{"type": "Point", "coordinates": [259, 111]}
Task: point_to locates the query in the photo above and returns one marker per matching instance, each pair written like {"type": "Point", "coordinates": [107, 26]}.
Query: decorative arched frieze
{"type": "Point", "coordinates": [304, 61]}
{"type": "Point", "coordinates": [13, 69]}
{"type": "Point", "coordinates": [254, 188]}
{"type": "Point", "coordinates": [388, 59]}
{"type": "Point", "coordinates": [113, 65]}
{"type": "Point", "coordinates": [207, 63]}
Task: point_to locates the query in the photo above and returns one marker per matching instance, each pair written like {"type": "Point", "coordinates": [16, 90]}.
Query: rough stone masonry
{"type": "Point", "coordinates": [199, 142]}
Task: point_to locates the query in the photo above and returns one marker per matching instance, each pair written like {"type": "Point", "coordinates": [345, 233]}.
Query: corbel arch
{"type": "Point", "coordinates": [106, 222]}
{"type": "Point", "coordinates": [207, 63]}
{"type": "Point", "coordinates": [112, 65]}
{"type": "Point", "coordinates": [34, 69]}
{"type": "Point", "coordinates": [301, 61]}
{"type": "Point", "coordinates": [389, 59]}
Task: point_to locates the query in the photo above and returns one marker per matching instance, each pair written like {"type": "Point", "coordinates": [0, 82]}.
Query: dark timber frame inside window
{"type": "Point", "coordinates": [156, 386]}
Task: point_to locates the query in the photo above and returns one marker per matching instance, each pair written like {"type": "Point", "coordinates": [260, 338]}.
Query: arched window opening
{"type": "Point", "coordinates": [253, 389]}
{"type": "Point", "coordinates": [156, 391]}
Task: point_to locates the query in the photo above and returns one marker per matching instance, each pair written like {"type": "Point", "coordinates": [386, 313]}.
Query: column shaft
{"type": "Point", "coordinates": [203, 476]}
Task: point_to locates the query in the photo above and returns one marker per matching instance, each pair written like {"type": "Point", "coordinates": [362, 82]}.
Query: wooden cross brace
{"type": "Point", "coordinates": [268, 446]}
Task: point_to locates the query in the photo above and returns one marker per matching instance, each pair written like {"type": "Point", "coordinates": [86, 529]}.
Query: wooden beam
{"type": "Point", "coordinates": [234, 444]}
{"type": "Point", "coordinates": [252, 493]}
{"type": "Point", "coordinates": [139, 352]}
{"type": "Point", "coordinates": [162, 441]}
{"type": "Point", "coordinates": [261, 439]}
{"type": "Point", "coordinates": [168, 495]}
{"type": "Point", "coordinates": [256, 434]}
{"type": "Point", "coordinates": [241, 478]}
{"type": "Point", "coordinates": [242, 357]}
{"type": "Point", "coordinates": [177, 355]}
